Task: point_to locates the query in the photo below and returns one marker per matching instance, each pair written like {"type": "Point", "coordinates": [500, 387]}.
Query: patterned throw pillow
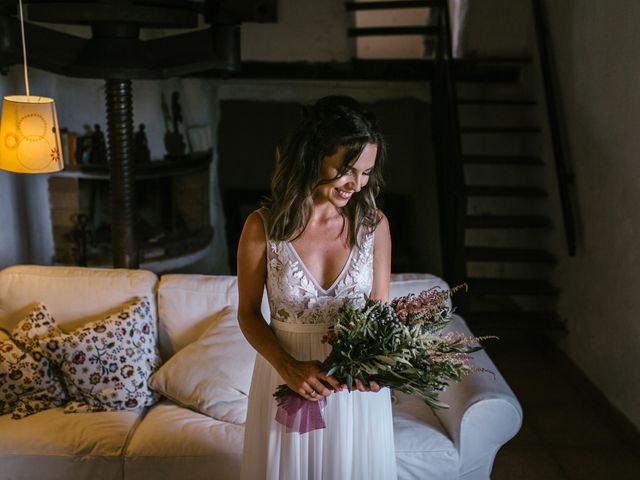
{"type": "Point", "coordinates": [107, 363]}
{"type": "Point", "coordinates": [28, 384]}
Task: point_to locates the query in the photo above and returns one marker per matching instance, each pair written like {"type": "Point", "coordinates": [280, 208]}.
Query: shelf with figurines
{"type": "Point", "coordinates": [86, 157]}
{"type": "Point", "coordinates": [172, 217]}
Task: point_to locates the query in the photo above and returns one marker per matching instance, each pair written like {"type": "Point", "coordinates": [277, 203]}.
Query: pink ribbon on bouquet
{"type": "Point", "coordinates": [299, 414]}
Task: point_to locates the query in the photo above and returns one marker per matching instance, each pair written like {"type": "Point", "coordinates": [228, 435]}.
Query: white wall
{"type": "Point", "coordinates": [11, 250]}
{"type": "Point", "coordinates": [596, 49]}
{"type": "Point", "coordinates": [492, 27]}
{"type": "Point", "coordinates": [309, 30]}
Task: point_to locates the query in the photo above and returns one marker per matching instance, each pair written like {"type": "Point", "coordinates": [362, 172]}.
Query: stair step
{"type": "Point", "coordinates": [490, 60]}
{"type": "Point", "coordinates": [353, 6]}
{"type": "Point", "coordinates": [492, 254]}
{"type": "Point", "coordinates": [502, 160]}
{"type": "Point", "coordinates": [510, 286]}
{"type": "Point", "coordinates": [497, 101]}
{"type": "Point", "coordinates": [492, 129]}
{"type": "Point", "coordinates": [500, 191]}
{"type": "Point", "coordinates": [507, 221]}
{"type": "Point", "coordinates": [478, 73]}
{"type": "Point", "coordinates": [500, 320]}
{"type": "Point", "coordinates": [409, 30]}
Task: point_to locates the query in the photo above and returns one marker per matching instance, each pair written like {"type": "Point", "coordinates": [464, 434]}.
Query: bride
{"type": "Point", "coordinates": [318, 242]}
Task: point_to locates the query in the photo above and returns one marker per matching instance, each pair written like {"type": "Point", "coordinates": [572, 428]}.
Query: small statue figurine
{"type": "Point", "coordinates": [173, 141]}
{"type": "Point", "coordinates": [98, 146]}
{"type": "Point", "coordinates": [141, 145]}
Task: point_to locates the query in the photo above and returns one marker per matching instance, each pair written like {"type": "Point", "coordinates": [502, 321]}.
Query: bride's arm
{"type": "Point", "coordinates": [381, 260]}
{"type": "Point", "coordinates": [302, 377]}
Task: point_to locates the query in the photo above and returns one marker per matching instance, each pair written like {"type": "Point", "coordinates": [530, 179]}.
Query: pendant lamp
{"type": "Point", "coordinates": [29, 134]}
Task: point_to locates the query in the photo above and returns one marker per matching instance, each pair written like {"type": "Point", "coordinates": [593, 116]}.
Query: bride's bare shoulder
{"type": "Point", "coordinates": [254, 227]}
{"type": "Point", "coordinates": [382, 224]}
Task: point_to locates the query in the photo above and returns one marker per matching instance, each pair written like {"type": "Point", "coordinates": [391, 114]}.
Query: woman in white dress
{"type": "Point", "coordinates": [318, 242]}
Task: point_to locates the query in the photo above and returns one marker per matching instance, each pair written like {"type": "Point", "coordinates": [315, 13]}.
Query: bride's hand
{"type": "Point", "coordinates": [306, 379]}
{"type": "Point", "coordinates": [373, 386]}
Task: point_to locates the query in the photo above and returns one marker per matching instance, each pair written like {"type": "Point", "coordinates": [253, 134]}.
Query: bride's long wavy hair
{"type": "Point", "coordinates": [332, 122]}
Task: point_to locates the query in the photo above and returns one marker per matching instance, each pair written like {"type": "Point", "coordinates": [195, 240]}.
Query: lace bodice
{"type": "Point", "coordinates": [295, 296]}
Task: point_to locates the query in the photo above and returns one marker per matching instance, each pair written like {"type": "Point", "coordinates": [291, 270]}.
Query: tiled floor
{"type": "Point", "coordinates": [563, 436]}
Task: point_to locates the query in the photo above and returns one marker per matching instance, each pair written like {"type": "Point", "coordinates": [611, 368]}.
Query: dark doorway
{"type": "Point", "coordinates": [250, 130]}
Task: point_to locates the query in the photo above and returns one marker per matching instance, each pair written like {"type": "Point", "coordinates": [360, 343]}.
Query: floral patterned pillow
{"type": "Point", "coordinates": [28, 384]}
{"type": "Point", "coordinates": [106, 364]}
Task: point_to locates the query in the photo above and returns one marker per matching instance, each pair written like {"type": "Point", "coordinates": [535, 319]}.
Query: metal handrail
{"type": "Point", "coordinates": [558, 142]}
{"type": "Point", "coordinates": [452, 176]}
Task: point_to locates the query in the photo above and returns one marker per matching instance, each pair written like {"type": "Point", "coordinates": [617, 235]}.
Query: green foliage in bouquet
{"type": "Point", "coordinates": [401, 345]}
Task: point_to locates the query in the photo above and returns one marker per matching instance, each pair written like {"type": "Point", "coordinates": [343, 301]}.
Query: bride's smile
{"type": "Point", "coordinates": [342, 183]}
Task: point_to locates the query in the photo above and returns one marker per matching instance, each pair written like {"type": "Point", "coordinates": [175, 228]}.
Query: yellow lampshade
{"type": "Point", "coordinates": [29, 135]}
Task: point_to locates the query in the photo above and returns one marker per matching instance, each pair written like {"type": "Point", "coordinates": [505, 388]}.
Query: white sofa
{"type": "Point", "coordinates": [167, 441]}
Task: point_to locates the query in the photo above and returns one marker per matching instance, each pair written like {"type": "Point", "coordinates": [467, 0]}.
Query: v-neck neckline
{"type": "Point", "coordinates": [313, 278]}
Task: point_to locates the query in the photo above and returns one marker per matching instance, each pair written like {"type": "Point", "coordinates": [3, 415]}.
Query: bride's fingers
{"type": "Point", "coordinates": [330, 380]}
{"type": "Point", "coordinates": [372, 387]}
{"type": "Point", "coordinates": [308, 392]}
{"type": "Point", "coordinates": [318, 387]}
{"type": "Point", "coordinates": [303, 390]}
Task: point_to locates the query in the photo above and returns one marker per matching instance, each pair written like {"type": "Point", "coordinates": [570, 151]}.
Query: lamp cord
{"type": "Point", "coordinates": [24, 49]}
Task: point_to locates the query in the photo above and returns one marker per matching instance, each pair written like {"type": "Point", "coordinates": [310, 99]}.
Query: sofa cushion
{"type": "Point", "coordinates": [27, 382]}
{"type": "Point", "coordinates": [186, 304]}
{"type": "Point", "coordinates": [211, 375]}
{"type": "Point", "coordinates": [423, 447]}
{"type": "Point", "coordinates": [73, 295]}
{"type": "Point", "coordinates": [107, 363]}
{"type": "Point", "coordinates": [171, 440]}
{"type": "Point", "coordinates": [53, 445]}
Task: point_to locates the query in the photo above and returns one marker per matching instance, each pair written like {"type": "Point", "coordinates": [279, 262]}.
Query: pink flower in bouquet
{"type": "Point", "coordinates": [426, 305]}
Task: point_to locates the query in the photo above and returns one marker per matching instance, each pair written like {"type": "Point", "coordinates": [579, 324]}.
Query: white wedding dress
{"type": "Point", "coordinates": [357, 443]}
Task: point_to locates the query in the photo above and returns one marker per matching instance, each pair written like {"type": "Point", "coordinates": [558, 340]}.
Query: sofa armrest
{"type": "Point", "coordinates": [483, 414]}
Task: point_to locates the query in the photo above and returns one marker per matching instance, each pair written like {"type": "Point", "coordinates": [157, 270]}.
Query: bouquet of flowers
{"type": "Point", "coordinates": [400, 345]}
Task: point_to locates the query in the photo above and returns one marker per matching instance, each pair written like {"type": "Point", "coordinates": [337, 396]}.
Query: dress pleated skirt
{"type": "Point", "coordinates": [357, 442]}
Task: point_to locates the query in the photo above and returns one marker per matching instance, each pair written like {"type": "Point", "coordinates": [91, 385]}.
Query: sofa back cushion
{"type": "Point", "coordinates": [406, 283]}
{"type": "Point", "coordinates": [73, 295]}
{"type": "Point", "coordinates": [188, 303]}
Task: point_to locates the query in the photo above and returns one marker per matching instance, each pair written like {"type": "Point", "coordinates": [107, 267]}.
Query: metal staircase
{"type": "Point", "coordinates": [494, 200]}
{"type": "Point", "coordinates": [508, 265]}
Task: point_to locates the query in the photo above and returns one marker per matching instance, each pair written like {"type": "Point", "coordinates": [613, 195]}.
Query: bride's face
{"type": "Point", "coordinates": [339, 191]}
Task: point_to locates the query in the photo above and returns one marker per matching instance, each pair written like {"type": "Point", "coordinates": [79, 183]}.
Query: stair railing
{"type": "Point", "coordinates": [566, 179]}
{"type": "Point", "coordinates": [446, 133]}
